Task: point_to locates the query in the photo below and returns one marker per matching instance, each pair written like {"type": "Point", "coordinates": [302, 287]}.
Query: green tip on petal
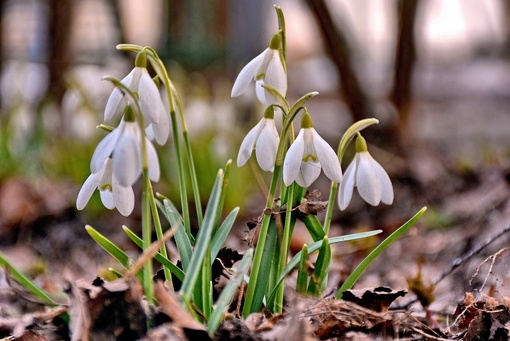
{"type": "Point", "coordinates": [129, 114]}
{"type": "Point", "coordinates": [269, 112]}
{"type": "Point", "coordinates": [361, 144]}
{"type": "Point", "coordinates": [306, 120]}
{"type": "Point", "coordinates": [275, 42]}
{"type": "Point", "coordinates": [141, 59]}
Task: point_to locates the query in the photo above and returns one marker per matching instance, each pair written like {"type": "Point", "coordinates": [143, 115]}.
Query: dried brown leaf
{"type": "Point", "coordinates": [377, 299]}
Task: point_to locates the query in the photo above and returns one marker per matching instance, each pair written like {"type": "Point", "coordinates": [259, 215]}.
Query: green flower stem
{"type": "Point", "coordinates": [173, 96]}
{"type": "Point", "coordinates": [159, 233]}
{"type": "Point", "coordinates": [349, 134]}
{"type": "Point", "coordinates": [284, 248]}
{"type": "Point", "coordinates": [174, 100]}
{"type": "Point", "coordinates": [146, 213]}
{"type": "Point", "coordinates": [193, 176]}
{"type": "Point", "coordinates": [182, 180]}
{"type": "Point", "coordinates": [249, 304]}
{"type": "Point", "coordinates": [281, 26]}
{"type": "Point", "coordinates": [146, 236]}
{"type": "Point", "coordinates": [331, 205]}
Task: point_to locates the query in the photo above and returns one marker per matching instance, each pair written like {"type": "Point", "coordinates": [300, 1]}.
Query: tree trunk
{"type": "Point", "coordinates": [401, 94]}
{"type": "Point", "coordinates": [59, 58]}
{"type": "Point", "coordinates": [338, 48]}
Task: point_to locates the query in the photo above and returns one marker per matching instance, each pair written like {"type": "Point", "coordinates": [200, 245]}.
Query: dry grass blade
{"type": "Point", "coordinates": [148, 254]}
{"type": "Point", "coordinates": [171, 307]}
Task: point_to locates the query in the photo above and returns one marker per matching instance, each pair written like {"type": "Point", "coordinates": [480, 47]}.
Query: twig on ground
{"type": "Point", "coordinates": [494, 257]}
{"type": "Point", "coordinates": [461, 260]}
{"type": "Point", "coordinates": [464, 258]}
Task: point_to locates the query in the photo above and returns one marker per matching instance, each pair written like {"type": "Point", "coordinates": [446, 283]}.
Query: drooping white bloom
{"type": "Point", "coordinates": [373, 183]}
{"type": "Point", "coordinates": [265, 69]}
{"type": "Point", "coordinates": [140, 82]}
{"type": "Point", "coordinates": [123, 145]}
{"type": "Point", "coordinates": [264, 139]}
{"type": "Point", "coordinates": [308, 155]}
{"type": "Point", "coordinates": [113, 194]}
{"type": "Point", "coordinates": [115, 167]}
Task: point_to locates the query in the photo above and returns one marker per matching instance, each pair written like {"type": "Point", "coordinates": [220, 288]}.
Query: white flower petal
{"type": "Point", "coordinates": [248, 73]}
{"type": "Point", "coordinates": [107, 198]}
{"type": "Point", "coordinates": [134, 82]}
{"type": "Point", "coordinates": [87, 189]}
{"type": "Point", "coordinates": [347, 186]}
{"type": "Point", "coordinates": [262, 94]}
{"type": "Point", "coordinates": [327, 157]}
{"type": "Point", "coordinates": [308, 173]}
{"type": "Point", "coordinates": [293, 159]}
{"type": "Point", "coordinates": [152, 155]}
{"type": "Point", "coordinates": [267, 146]}
{"type": "Point", "coordinates": [112, 105]}
{"type": "Point", "coordinates": [105, 148]}
{"type": "Point", "coordinates": [150, 99]}
{"type": "Point", "coordinates": [123, 198]}
{"type": "Point", "coordinates": [384, 180]}
{"type": "Point", "coordinates": [275, 74]}
{"type": "Point", "coordinates": [367, 180]}
{"type": "Point", "coordinates": [126, 157]}
{"type": "Point", "coordinates": [249, 143]}
{"type": "Point", "coordinates": [161, 130]}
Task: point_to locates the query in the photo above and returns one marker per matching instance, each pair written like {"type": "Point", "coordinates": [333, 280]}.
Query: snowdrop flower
{"type": "Point", "coordinates": [140, 82]}
{"type": "Point", "coordinates": [116, 165]}
{"type": "Point", "coordinates": [373, 183]}
{"type": "Point", "coordinates": [113, 194]}
{"type": "Point", "coordinates": [307, 155]}
{"type": "Point", "coordinates": [265, 69]}
{"type": "Point", "coordinates": [264, 139]}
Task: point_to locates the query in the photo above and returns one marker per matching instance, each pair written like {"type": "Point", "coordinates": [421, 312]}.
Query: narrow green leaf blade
{"type": "Point", "coordinates": [268, 259]}
{"type": "Point", "coordinates": [109, 247]}
{"type": "Point", "coordinates": [181, 237]}
{"type": "Point", "coordinates": [25, 281]}
{"type": "Point", "coordinates": [353, 277]}
{"type": "Point", "coordinates": [203, 239]}
{"type": "Point", "coordinates": [314, 247]}
{"type": "Point", "coordinates": [112, 249]}
{"type": "Point", "coordinates": [320, 274]}
{"type": "Point", "coordinates": [302, 277]}
{"type": "Point", "coordinates": [221, 234]}
{"type": "Point", "coordinates": [159, 257]}
{"type": "Point", "coordinates": [313, 226]}
{"type": "Point", "coordinates": [228, 292]}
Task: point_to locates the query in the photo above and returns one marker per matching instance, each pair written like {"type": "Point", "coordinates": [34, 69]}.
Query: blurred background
{"type": "Point", "coordinates": [435, 73]}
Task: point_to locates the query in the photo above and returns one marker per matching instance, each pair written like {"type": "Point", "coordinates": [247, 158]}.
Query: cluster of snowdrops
{"type": "Point", "coordinates": [127, 154]}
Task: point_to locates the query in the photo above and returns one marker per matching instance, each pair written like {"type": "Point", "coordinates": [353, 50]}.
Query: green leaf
{"type": "Point", "coordinates": [353, 277]}
{"type": "Point", "coordinates": [203, 239]}
{"type": "Point", "coordinates": [181, 237]}
{"type": "Point", "coordinates": [112, 249]}
{"type": "Point", "coordinates": [226, 178]}
{"type": "Point", "coordinates": [26, 282]}
{"type": "Point", "coordinates": [115, 273]}
{"type": "Point", "coordinates": [313, 226]}
{"type": "Point", "coordinates": [321, 269]}
{"type": "Point", "coordinates": [314, 247]}
{"type": "Point", "coordinates": [159, 257]}
{"type": "Point", "coordinates": [302, 277]}
{"type": "Point", "coordinates": [228, 292]}
{"type": "Point", "coordinates": [269, 257]}
{"type": "Point", "coordinates": [221, 234]}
